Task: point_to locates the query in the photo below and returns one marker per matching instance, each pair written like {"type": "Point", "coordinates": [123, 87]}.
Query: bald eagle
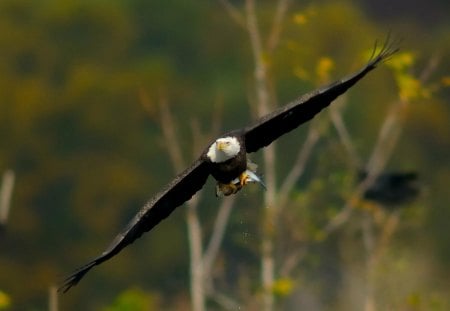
{"type": "Point", "coordinates": [226, 160]}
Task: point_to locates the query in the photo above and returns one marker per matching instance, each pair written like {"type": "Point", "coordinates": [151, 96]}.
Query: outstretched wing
{"type": "Point", "coordinates": [181, 189]}
{"type": "Point", "coordinates": [289, 117]}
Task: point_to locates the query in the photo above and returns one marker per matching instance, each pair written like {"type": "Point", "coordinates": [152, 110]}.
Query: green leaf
{"type": "Point", "coordinates": [283, 287]}
{"type": "Point", "coordinates": [134, 299]}
{"type": "Point", "coordinates": [5, 301]}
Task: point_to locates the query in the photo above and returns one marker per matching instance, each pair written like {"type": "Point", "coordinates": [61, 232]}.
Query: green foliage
{"type": "Point", "coordinates": [5, 301]}
{"type": "Point", "coordinates": [410, 87]}
{"type": "Point", "coordinates": [134, 299]}
{"type": "Point", "coordinates": [283, 287]}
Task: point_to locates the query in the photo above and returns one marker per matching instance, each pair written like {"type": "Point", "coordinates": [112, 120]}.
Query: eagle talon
{"type": "Point", "coordinates": [243, 179]}
{"type": "Point", "coordinates": [227, 189]}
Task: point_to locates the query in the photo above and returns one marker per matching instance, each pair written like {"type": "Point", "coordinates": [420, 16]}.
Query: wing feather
{"type": "Point", "coordinates": [180, 190]}
{"type": "Point", "coordinates": [285, 119]}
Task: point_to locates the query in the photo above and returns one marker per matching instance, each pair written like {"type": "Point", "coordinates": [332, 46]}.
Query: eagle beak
{"type": "Point", "coordinates": [221, 146]}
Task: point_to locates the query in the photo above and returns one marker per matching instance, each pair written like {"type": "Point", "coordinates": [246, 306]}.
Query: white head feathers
{"type": "Point", "coordinates": [223, 149]}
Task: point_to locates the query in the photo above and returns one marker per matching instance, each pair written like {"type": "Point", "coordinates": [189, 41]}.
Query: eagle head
{"type": "Point", "coordinates": [223, 149]}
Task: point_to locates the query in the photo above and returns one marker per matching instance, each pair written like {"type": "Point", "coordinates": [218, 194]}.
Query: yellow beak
{"type": "Point", "coordinates": [221, 146]}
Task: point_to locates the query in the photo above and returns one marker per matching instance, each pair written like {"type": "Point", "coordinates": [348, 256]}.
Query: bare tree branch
{"type": "Point", "coordinates": [218, 233]}
{"type": "Point", "coordinates": [260, 71]}
{"type": "Point", "coordinates": [369, 244]}
{"type": "Point", "coordinates": [343, 133]}
{"type": "Point", "coordinates": [299, 165]}
{"type": "Point", "coordinates": [5, 196]}
{"type": "Point", "coordinates": [277, 25]}
{"type": "Point", "coordinates": [193, 223]}
{"type": "Point", "coordinates": [224, 301]}
{"type": "Point", "coordinates": [217, 116]}
{"type": "Point", "coordinates": [374, 251]}
{"type": "Point", "coordinates": [170, 137]}
{"type": "Point", "coordinates": [210, 254]}
{"type": "Point", "coordinates": [53, 298]}
{"type": "Point", "coordinates": [262, 94]}
{"type": "Point", "coordinates": [292, 260]}
{"type": "Point", "coordinates": [200, 263]}
{"type": "Point", "coordinates": [340, 218]}
{"type": "Point", "coordinates": [233, 12]}
{"type": "Point", "coordinates": [388, 137]}
{"type": "Point", "coordinates": [391, 128]}
{"type": "Point", "coordinates": [431, 67]}
{"type": "Point", "coordinates": [196, 264]}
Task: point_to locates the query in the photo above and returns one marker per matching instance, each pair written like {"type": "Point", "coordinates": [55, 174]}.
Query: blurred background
{"type": "Point", "coordinates": [82, 87]}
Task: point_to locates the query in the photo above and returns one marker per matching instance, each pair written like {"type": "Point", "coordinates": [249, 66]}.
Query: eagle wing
{"type": "Point", "coordinates": [181, 189]}
{"type": "Point", "coordinates": [268, 128]}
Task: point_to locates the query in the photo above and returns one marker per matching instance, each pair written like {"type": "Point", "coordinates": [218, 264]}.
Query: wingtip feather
{"type": "Point", "coordinates": [387, 50]}
{"type": "Point", "coordinates": [75, 277]}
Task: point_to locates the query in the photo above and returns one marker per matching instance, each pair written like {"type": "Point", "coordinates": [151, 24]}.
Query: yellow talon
{"type": "Point", "coordinates": [227, 189]}
{"type": "Point", "coordinates": [243, 179]}
{"type": "Point", "coordinates": [232, 187]}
